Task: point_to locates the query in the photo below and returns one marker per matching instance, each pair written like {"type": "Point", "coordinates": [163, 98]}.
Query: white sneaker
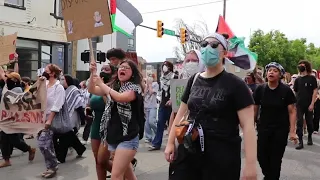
{"type": "Point", "coordinates": [84, 142]}
{"type": "Point", "coordinates": [315, 132]}
{"type": "Point", "coordinates": [146, 141]}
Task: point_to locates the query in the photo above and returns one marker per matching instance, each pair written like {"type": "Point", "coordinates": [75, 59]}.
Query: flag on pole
{"type": "Point", "coordinates": [124, 16]}
{"type": "Point", "coordinates": [238, 53]}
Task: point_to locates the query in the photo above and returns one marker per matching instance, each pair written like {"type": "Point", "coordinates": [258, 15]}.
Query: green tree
{"type": "Point", "coordinates": [275, 46]}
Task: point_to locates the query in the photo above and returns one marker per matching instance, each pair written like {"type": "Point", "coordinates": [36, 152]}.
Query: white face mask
{"type": "Point", "coordinates": [191, 67]}
{"type": "Point", "coordinates": [165, 68]}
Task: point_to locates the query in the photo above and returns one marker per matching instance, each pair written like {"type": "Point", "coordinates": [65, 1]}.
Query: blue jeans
{"type": "Point", "coordinates": [163, 116]}
{"type": "Point", "coordinates": [132, 144]}
{"type": "Point", "coordinates": [150, 127]}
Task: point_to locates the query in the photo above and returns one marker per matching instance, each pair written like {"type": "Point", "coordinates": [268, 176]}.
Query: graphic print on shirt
{"type": "Point", "coordinates": [210, 96]}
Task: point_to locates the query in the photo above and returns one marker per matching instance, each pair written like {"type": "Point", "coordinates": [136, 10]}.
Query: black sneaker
{"type": "Point", "coordinates": [310, 142]}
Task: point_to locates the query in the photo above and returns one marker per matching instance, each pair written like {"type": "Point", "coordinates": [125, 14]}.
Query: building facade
{"type": "Point", "coordinates": [41, 34]}
{"type": "Point", "coordinates": [115, 40]}
{"type": "Point", "coordinates": [42, 38]}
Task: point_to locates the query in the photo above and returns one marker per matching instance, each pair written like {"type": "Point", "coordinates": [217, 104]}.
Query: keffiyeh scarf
{"type": "Point", "coordinates": [124, 110]}
{"type": "Point", "coordinates": [73, 98]}
{"type": "Point", "coordinates": [165, 82]}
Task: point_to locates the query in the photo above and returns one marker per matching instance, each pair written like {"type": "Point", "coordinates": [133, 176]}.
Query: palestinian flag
{"type": "Point", "coordinates": [238, 53]}
{"type": "Point", "coordinates": [124, 16]}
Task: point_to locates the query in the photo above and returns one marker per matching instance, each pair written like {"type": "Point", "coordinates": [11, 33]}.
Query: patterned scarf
{"type": "Point", "coordinates": [73, 99]}
{"type": "Point", "coordinates": [165, 82]}
{"type": "Point", "coordinates": [124, 110]}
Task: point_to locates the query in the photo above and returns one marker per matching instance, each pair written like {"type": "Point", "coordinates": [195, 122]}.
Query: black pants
{"type": "Point", "coordinates": [271, 146]}
{"type": "Point", "coordinates": [316, 116]}
{"type": "Point", "coordinates": [10, 141]}
{"type": "Point", "coordinates": [87, 129]}
{"type": "Point", "coordinates": [221, 161]}
{"type": "Point", "coordinates": [63, 141]}
{"type": "Point", "coordinates": [304, 111]}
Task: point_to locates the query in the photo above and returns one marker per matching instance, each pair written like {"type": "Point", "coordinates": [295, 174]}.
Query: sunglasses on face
{"type": "Point", "coordinates": [213, 44]}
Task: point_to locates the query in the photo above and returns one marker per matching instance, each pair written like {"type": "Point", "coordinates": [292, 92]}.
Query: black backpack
{"type": "Point", "coordinates": [141, 116]}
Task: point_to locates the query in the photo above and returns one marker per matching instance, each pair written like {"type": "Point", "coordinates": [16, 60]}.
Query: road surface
{"type": "Point", "coordinates": [297, 165]}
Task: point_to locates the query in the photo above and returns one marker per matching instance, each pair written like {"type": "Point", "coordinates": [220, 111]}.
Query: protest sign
{"type": "Point", "coordinates": [7, 48]}
{"type": "Point", "coordinates": [177, 87]}
{"type": "Point", "coordinates": [24, 112]}
{"type": "Point", "coordinates": [86, 18]}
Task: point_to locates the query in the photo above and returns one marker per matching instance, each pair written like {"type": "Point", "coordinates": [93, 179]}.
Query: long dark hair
{"type": "Point", "coordinates": [136, 77]}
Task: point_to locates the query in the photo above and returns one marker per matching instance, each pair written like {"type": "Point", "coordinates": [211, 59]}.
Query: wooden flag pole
{"type": "Point", "coordinates": [92, 60]}
{"type": "Point", "coordinates": [91, 50]}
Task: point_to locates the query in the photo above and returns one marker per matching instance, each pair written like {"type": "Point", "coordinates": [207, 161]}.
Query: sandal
{"type": "Point", "coordinates": [5, 164]}
{"type": "Point", "coordinates": [32, 154]}
{"type": "Point", "coordinates": [44, 173]}
{"type": "Point", "coordinates": [50, 173]}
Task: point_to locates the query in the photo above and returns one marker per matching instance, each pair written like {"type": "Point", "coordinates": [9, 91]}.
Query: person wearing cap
{"type": "Point", "coordinates": [217, 101]}
{"type": "Point", "coordinates": [277, 119]}
{"type": "Point", "coordinates": [9, 141]}
{"type": "Point", "coordinates": [306, 89]}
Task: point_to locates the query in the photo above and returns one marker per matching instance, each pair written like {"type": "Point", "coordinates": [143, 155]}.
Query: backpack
{"type": "Point", "coordinates": [141, 116]}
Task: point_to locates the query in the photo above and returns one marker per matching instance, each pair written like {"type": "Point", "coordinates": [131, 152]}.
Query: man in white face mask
{"type": "Point", "coordinates": [190, 64]}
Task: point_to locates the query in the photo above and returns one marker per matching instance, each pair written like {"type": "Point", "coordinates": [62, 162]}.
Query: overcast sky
{"type": "Point", "coordinates": [295, 18]}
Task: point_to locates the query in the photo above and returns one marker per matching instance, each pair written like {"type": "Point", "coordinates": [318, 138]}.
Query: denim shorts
{"type": "Point", "coordinates": [132, 144]}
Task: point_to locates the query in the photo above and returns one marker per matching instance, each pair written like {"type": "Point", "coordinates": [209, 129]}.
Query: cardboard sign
{"type": "Point", "coordinates": [86, 18]}
{"type": "Point", "coordinates": [24, 112]}
{"type": "Point", "coordinates": [7, 48]}
{"type": "Point", "coordinates": [177, 87]}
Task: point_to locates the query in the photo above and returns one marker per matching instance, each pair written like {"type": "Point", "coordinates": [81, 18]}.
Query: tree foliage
{"type": "Point", "coordinates": [197, 31]}
{"type": "Point", "coordinates": [275, 46]}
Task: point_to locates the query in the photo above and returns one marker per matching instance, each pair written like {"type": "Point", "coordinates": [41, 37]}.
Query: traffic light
{"type": "Point", "coordinates": [159, 29]}
{"type": "Point", "coordinates": [85, 56]}
{"type": "Point", "coordinates": [183, 35]}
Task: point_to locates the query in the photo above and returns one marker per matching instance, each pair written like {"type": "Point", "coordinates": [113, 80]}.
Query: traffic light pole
{"type": "Point", "coordinates": [176, 35]}
{"type": "Point", "coordinates": [224, 8]}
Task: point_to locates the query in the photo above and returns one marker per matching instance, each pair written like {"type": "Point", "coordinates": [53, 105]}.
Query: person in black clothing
{"type": "Point", "coordinates": [217, 102]}
{"type": "Point", "coordinates": [251, 81]}
{"type": "Point", "coordinates": [277, 114]}
{"type": "Point", "coordinates": [305, 87]}
{"type": "Point", "coordinates": [316, 111]}
{"type": "Point", "coordinates": [165, 104]}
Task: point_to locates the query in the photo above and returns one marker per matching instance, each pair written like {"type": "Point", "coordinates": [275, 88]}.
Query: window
{"type": "Point", "coordinates": [57, 10]}
{"type": "Point", "coordinates": [17, 3]}
{"type": "Point", "coordinates": [130, 42]}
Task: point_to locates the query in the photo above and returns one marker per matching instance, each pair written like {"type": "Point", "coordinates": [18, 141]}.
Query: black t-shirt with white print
{"type": "Point", "coordinates": [214, 102]}
{"type": "Point", "coordinates": [304, 87]}
{"type": "Point", "coordinates": [274, 105]}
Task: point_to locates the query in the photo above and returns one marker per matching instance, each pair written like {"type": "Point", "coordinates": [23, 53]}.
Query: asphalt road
{"type": "Point", "coordinates": [297, 165]}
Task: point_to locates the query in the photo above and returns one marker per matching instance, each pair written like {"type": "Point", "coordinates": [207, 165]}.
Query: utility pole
{"type": "Point", "coordinates": [224, 9]}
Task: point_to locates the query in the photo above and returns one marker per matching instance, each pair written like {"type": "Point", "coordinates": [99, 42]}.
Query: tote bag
{"type": "Point", "coordinates": [61, 121]}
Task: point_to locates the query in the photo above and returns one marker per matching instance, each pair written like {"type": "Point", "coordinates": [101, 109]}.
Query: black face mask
{"type": "Point", "coordinates": [2, 83]}
{"type": "Point", "coordinates": [46, 75]}
{"type": "Point", "coordinates": [11, 84]}
{"type": "Point", "coordinates": [105, 76]}
{"type": "Point", "coordinates": [301, 68]}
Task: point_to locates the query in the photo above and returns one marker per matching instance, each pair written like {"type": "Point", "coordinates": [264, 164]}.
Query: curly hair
{"type": "Point", "coordinates": [307, 64]}
{"type": "Point", "coordinates": [117, 53]}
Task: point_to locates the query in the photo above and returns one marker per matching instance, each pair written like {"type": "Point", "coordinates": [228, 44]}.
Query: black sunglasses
{"type": "Point", "coordinates": [213, 44]}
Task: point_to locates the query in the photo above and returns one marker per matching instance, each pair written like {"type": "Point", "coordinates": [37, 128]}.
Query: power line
{"type": "Point", "coordinates": [183, 7]}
